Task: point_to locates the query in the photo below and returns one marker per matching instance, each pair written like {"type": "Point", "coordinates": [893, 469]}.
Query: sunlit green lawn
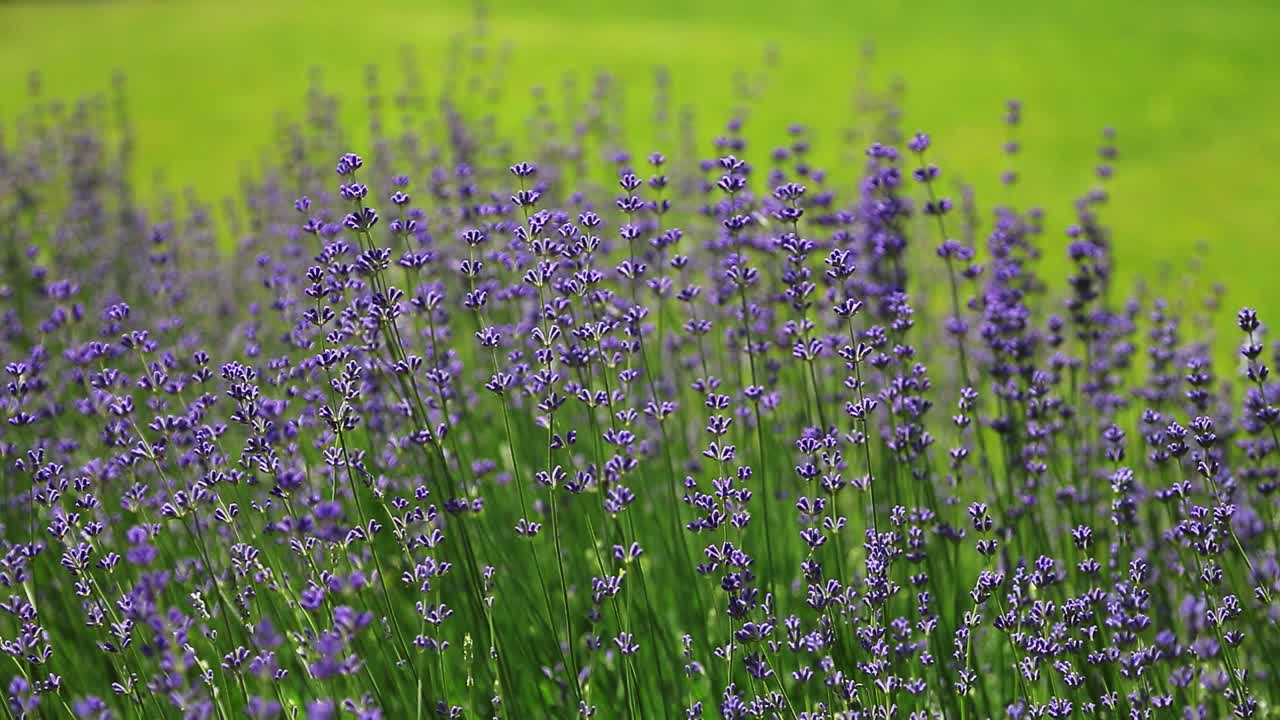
{"type": "Point", "coordinates": [1189, 86]}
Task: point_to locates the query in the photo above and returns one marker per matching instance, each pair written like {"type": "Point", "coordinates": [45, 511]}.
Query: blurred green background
{"type": "Point", "coordinates": [1189, 86]}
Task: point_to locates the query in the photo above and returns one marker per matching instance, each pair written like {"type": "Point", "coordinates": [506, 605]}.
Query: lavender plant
{"type": "Point", "coordinates": [482, 425]}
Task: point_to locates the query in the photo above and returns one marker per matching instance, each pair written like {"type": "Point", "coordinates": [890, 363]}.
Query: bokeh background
{"type": "Point", "coordinates": [1190, 87]}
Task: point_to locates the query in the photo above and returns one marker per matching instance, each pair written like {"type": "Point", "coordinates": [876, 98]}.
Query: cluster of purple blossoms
{"type": "Point", "coordinates": [715, 433]}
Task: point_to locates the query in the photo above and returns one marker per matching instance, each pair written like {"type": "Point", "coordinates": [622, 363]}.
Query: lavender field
{"type": "Point", "coordinates": [467, 415]}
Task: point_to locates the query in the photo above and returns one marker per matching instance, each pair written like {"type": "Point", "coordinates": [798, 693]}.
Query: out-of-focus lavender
{"type": "Point", "coordinates": [452, 429]}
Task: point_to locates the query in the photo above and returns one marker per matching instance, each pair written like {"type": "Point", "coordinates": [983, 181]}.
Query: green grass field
{"type": "Point", "coordinates": [1189, 87]}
